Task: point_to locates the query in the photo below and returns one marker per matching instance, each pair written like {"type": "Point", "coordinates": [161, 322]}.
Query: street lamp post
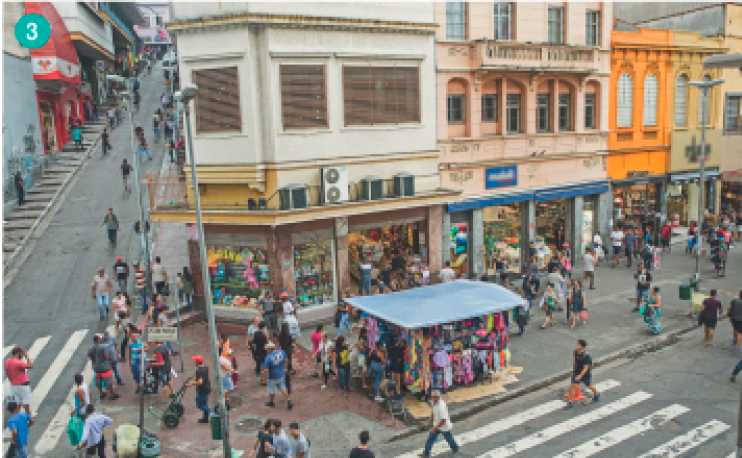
{"type": "Point", "coordinates": [185, 95]}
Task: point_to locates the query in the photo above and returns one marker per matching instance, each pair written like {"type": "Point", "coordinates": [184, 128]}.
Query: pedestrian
{"type": "Point", "coordinates": [111, 118]}
{"type": "Point", "coordinates": [136, 354]}
{"type": "Point", "coordinates": [557, 281]}
{"type": "Point", "coordinates": [648, 255]}
{"type": "Point", "coordinates": [598, 246]}
{"type": "Point", "coordinates": [164, 100]}
{"type": "Point", "coordinates": [101, 288]}
{"type": "Point", "coordinates": [159, 276]}
{"type": "Point", "coordinates": [362, 450]}
{"type": "Point", "coordinates": [710, 311]}
{"type": "Point", "coordinates": [734, 311]}
{"type": "Point", "coordinates": [143, 148]}
{"type": "Point", "coordinates": [156, 126]}
{"type": "Point", "coordinates": [341, 360]}
{"type": "Point", "coordinates": [77, 135]}
{"type": "Point", "coordinates": [666, 236]}
{"type": "Point", "coordinates": [100, 355]}
{"type": "Point", "coordinates": [548, 302]}
{"type": "Point", "coordinates": [316, 338]}
{"type": "Point", "coordinates": [652, 313]}
{"type": "Point", "coordinates": [125, 169]}
{"type": "Point", "coordinates": [155, 308]}
{"type": "Point", "coordinates": [281, 445]}
{"type": "Point", "coordinates": [258, 345]}
{"type": "Point", "coordinates": [365, 268]}
{"type": "Point", "coordinates": [643, 282]}
{"type": "Point", "coordinates": [343, 309]}
{"type": "Point", "coordinates": [447, 274]}
{"type": "Point", "coordinates": [324, 354]}
{"type": "Point", "coordinates": [226, 365]}
{"type": "Point", "coordinates": [589, 259]}
{"type": "Point", "coordinates": [630, 242]}
{"type": "Point", "coordinates": [187, 280]}
{"type": "Point", "coordinates": [581, 373]}
{"type": "Point", "coordinates": [20, 188]}
{"type": "Point", "coordinates": [92, 433]}
{"type": "Point", "coordinates": [163, 321]}
{"type": "Point", "coordinates": [112, 225]}
{"type": "Point", "coordinates": [579, 310]}
{"type": "Point", "coordinates": [203, 387]}
{"type": "Point", "coordinates": [441, 424]}
{"type": "Point", "coordinates": [252, 329]}
{"type": "Point", "coordinates": [275, 367]}
{"type": "Point", "coordinates": [299, 443]}
{"type": "Point", "coordinates": [377, 362]}
{"type": "Point", "coordinates": [141, 279]}
{"type": "Point", "coordinates": [18, 424]}
{"type": "Point", "coordinates": [263, 443]}
{"type": "Point", "coordinates": [568, 298]}
{"type": "Point", "coordinates": [82, 397]}
{"type": "Point", "coordinates": [170, 128]}
{"type": "Point", "coordinates": [105, 141]}
{"type": "Point", "coordinates": [121, 269]}
{"type": "Point", "coordinates": [267, 308]}
{"type": "Point", "coordinates": [118, 113]}
{"type": "Point", "coordinates": [15, 368]}
{"type": "Point", "coordinates": [119, 307]}
{"type": "Point", "coordinates": [163, 365]}
{"type": "Point", "coordinates": [227, 346]}
{"type": "Point", "coordinates": [113, 346]}
{"type": "Point", "coordinates": [617, 237]}
{"type": "Point", "coordinates": [691, 237]}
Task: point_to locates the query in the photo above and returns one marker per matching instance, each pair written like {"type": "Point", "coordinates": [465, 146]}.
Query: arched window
{"type": "Point", "coordinates": [625, 100]}
{"type": "Point", "coordinates": [650, 100]}
{"type": "Point", "coordinates": [703, 116]}
{"type": "Point", "coordinates": [681, 95]}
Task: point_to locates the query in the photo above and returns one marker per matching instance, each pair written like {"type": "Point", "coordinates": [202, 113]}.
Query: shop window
{"type": "Point", "coordinates": [303, 97]}
{"type": "Point", "coordinates": [456, 109]}
{"type": "Point", "coordinates": [556, 25]}
{"type": "Point", "coordinates": [502, 251]}
{"type": "Point", "coordinates": [218, 100]}
{"type": "Point", "coordinates": [455, 20]}
{"type": "Point", "coordinates": [733, 114]}
{"type": "Point", "coordinates": [503, 21]}
{"type": "Point", "coordinates": [542, 113]}
{"type": "Point", "coordinates": [703, 114]}
{"type": "Point", "coordinates": [592, 26]}
{"type": "Point", "coordinates": [565, 112]}
{"type": "Point", "coordinates": [313, 272]}
{"type": "Point", "coordinates": [681, 96]}
{"type": "Point", "coordinates": [489, 108]}
{"type": "Point", "coordinates": [650, 100]}
{"type": "Point", "coordinates": [238, 274]}
{"type": "Point", "coordinates": [513, 113]}
{"type": "Point", "coordinates": [590, 111]}
{"type": "Point", "coordinates": [381, 95]}
{"type": "Point", "coordinates": [625, 100]}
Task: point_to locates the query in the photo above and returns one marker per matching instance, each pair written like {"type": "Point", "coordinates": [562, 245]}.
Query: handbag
{"type": "Point", "coordinates": [583, 315]}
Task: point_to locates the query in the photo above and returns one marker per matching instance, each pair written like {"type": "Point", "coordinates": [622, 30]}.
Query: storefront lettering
{"type": "Point", "coordinates": [460, 149]}
{"type": "Point", "coordinates": [461, 176]}
{"type": "Point", "coordinates": [227, 254]}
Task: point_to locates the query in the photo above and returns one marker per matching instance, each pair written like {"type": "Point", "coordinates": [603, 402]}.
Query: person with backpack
{"type": "Point", "coordinates": [125, 169]}
{"type": "Point", "coordinates": [112, 225]}
{"type": "Point", "coordinates": [101, 357]}
{"type": "Point", "coordinates": [203, 387]}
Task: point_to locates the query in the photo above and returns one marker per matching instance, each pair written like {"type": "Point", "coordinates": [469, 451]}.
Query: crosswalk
{"type": "Point", "coordinates": [576, 426]}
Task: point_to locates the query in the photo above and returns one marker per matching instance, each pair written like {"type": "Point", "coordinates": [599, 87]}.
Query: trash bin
{"type": "Point", "coordinates": [684, 290]}
{"type": "Point", "coordinates": [695, 286]}
{"type": "Point", "coordinates": [216, 426]}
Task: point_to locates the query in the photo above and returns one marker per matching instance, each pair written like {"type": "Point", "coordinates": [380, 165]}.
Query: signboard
{"type": "Point", "coordinates": [501, 177]}
{"type": "Point", "coordinates": [685, 152]}
{"type": "Point", "coordinates": [162, 334]}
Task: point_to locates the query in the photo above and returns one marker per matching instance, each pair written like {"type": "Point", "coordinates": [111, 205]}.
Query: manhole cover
{"type": "Point", "coordinates": [248, 425]}
{"type": "Point", "coordinates": [671, 426]}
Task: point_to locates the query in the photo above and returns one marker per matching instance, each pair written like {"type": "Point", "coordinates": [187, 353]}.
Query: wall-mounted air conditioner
{"type": "Point", "coordinates": [293, 196]}
{"type": "Point", "coordinates": [334, 184]}
{"type": "Point", "coordinates": [372, 188]}
{"type": "Point", "coordinates": [404, 184]}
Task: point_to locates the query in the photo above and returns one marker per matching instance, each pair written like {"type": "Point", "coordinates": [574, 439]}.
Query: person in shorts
{"type": "Point", "coordinates": [550, 299]}
{"type": "Point", "coordinates": [125, 169]}
{"type": "Point", "coordinates": [274, 367]}
{"type": "Point", "coordinates": [581, 373]}
{"type": "Point", "coordinates": [710, 312]}
{"type": "Point", "coordinates": [617, 237]}
{"type": "Point", "coordinates": [15, 369]}
{"type": "Point", "coordinates": [164, 366]}
{"type": "Point", "coordinates": [101, 357]}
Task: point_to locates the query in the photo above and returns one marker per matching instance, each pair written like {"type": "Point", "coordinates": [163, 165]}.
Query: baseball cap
{"type": "Point", "coordinates": [284, 294]}
{"type": "Point", "coordinates": [270, 345]}
{"type": "Point", "coordinates": [118, 258]}
{"type": "Point", "coordinates": [198, 359]}
{"type": "Point", "coordinates": [293, 425]}
{"type": "Point", "coordinates": [17, 350]}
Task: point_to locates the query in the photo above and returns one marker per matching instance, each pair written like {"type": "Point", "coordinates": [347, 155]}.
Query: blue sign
{"type": "Point", "coordinates": [501, 177]}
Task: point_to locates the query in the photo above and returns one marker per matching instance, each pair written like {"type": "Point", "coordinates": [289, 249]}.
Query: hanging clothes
{"type": "Point", "coordinates": [373, 333]}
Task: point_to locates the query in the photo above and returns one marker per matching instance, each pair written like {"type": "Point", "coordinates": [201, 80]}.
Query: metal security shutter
{"type": "Point", "coordinates": [218, 100]}
{"type": "Point", "coordinates": [381, 95]}
{"type": "Point", "coordinates": [650, 100]}
{"type": "Point", "coordinates": [303, 97]}
{"type": "Point", "coordinates": [681, 95]}
{"type": "Point", "coordinates": [625, 100]}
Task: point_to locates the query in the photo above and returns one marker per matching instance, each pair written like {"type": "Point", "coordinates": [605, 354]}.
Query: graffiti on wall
{"type": "Point", "coordinates": [24, 158]}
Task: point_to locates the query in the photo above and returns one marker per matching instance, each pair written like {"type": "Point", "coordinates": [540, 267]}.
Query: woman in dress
{"type": "Point", "coordinates": [653, 312]}
{"type": "Point", "coordinates": [578, 303]}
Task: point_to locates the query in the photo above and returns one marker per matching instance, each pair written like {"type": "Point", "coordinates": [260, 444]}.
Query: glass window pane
{"type": "Point", "coordinates": [681, 95]}
{"type": "Point", "coordinates": [650, 100]}
{"type": "Point", "coordinates": [590, 111]}
{"type": "Point", "coordinates": [456, 20]}
{"type": "Point", "coordinates": [513, 113]}
{"type": "Point", "coordinates": [625, 100]}
{"type": "Point", "coordinates": [565, 112]}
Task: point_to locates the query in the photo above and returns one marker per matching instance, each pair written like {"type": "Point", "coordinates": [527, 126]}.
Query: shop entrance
{"type": "Point", "coordinates": [636, 204]}
{"type": "Point", "coordinates": [550, 229]}
{"type": "Point", "coordinates": [677, 204]}
{"type": "Point", "coordinates": [314, 272]}
{"type": "Point", "coordinates": [501, 237]}
{"type": "Point", "coordinates": [238, 274]}
{"type": "Point", "coordinates": [47, 127]}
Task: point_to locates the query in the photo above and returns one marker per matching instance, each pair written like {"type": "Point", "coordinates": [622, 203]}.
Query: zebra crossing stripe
{"type": "Point", "coordinates": [33, 353]}
{"type": "Point", "coordinates": [41, 390]}
{"type": "Point", "coordinates": [688, 441]}
{"type": "Point", "coordinates": [506, 423]}
{"type": "Point", "coordinates": [619, 435]}
{"type": "Point", "coordinates": [7, 350]}
{"type": "Point", "coordinates": [564, 427]}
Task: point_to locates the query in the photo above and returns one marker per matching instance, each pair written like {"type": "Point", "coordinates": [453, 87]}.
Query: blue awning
{"type": "Point", "coordinates": [562, 192]}
{"type": "Point", "coordinates": [439, 304]}
{"type": "Point", "coordinates": [491, 201]}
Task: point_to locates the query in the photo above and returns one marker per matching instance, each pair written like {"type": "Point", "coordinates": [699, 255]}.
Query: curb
{"type": "Point", "coordinates": [55, 199]}
{"type": "Point", "coordinates": [536, 385]}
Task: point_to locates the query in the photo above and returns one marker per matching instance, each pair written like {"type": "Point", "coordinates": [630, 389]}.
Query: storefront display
{"type": "Point", "coordinates": [238, 274]}
{"type": "Point", "coordinates": [635, 204]}
{"type": "Point", "coordinates": [502, 236]}
{"type": "Point", "coordinates": [313, 270]}
{"type": "Point", "coordinates": [460, 249]}
{"type": "Point", "coordinates": [677, 203]}
{"type": "Point", "coordinates": [731, 196]}
{"type": "Point", "coordinates": [550, 226]}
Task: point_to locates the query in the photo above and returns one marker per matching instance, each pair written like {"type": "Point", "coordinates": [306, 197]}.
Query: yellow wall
{"type": "Point", "coordinates": [731, 160]}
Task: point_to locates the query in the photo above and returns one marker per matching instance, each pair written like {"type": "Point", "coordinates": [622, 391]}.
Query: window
{"type": "Point", "coordinates": [590, 111]}
{"type": "Point", "coordinates": [565, 112]}
{"type": "Point", "coordinates": [218, 100]}
{"type": "Point", "coordinates": [455, 109]}
{"type": "Point", "coordinates": [650, 100]}
{"type": "Point", "coordinates": [303, 97]}
{"type": "Point", "coordinates": [733, 114]}
{"type": "Point", "coordinates": [703, 115]}
{"type": "Point", "coordinates": [456, 20]}
{"type": "Point", "coordinates": [381, 95]}
{"type": "Point", "coordinates": [502, 21]}
{"type": "Point", "coordinates": [158, 20]}
{"type": "Point", "coordinates": [592, 24]}
{"type": "Point", "coordinates": [625, 100]}
{"type": "Point", "coordinates": [556, 25]}
{"type": "Point", "coordinates": [542, 113]}
{"type": "Point", "coordinates": [681, 95]}
{"type": "Point", "coordinates": [513, 113]}
{"type": "Point", "coordinates": [489, 108]}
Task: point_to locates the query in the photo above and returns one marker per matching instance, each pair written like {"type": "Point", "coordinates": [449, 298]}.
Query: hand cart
{"type": "Point", "coordinates": [170, 415]}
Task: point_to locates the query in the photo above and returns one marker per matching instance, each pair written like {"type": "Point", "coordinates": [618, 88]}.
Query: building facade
{"type": "Point", "coordinates": [153, 32]}
{"type": "Point", "coordinates": [315, 145]}
{"type": "Point", "coordinates": [523, 128]}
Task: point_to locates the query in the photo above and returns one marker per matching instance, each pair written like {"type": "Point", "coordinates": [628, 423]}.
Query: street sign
{"type": "Point", "coordinates": [162, 334]}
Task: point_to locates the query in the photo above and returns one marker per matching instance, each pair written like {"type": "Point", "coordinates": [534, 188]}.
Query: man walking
{"type": "Point", "coordinates": [299, 444]}
{"type": "Point", "coordinates": [258, 345]}
{"type": "Point", "coordinates": [441, 423]}
{"type": "Point", "coordinates": [159, 276]}
{"type": "Point", "coordinates": [163, 365]}
{"type": "Point", "coordinates": [666, 236]}
{"type": "Point", "coordinates": [15, 369]}
{"type": "Point", "coordinates": [125, 169]}
{"type": "Point", "coordinates": [643, 282]}
{"type": "Point", "coordinates": [203, 387]}
{"type": "Point", "coordinates": [77, 135]}
{"type": "Point", "coordinates": [589, 259]}
{"type": "Point", "coordinates": [92, 433]}
{"type": "Point", "coordinates": [275, 367]}
{"type": "Point", "coordinates": [112, 225]}
{"type": "Point", "coordinates": [710, 312]}
{"type": "Point", "coordinates": [267, 305]}
{"type": "Point", "coordinates": [143, 148]}
{"type": "Point", "coordinates": [105, 141]}
{"type": "Point", "coordinates": [362, 450]}
{"type": "Point", "coordinates": [581, 373]}
{"type": "Point", "coordinates": [617, 237]}
{"type": "Point", "coordinates": [100, 355]}
{"type": "Point", "coordinates": [630, 242]}
{"type": "Point", "coordinates": [281, 446]}
{"type": "Point", "coordinates": [113, 348]}
{"type": "Point", "coordinates": [20, 187]}
{"type": "Point", "coordinates": [18, 424]}
{"type": "Point", "coordinates": [141, 278]}
{"type": "Point", "coordinates": [122, 274]}
{"type": "Point", "coordinates": [102, 287]}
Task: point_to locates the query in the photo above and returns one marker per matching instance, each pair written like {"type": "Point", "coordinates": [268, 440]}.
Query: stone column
{"type": "Point", "coordinates": [603, 215]}
{"type": "Point", "coordinates": [281, 259]}
{"type": "Point", "coordinates": [662, 194]}
{"type": "Point", "coordinates": [342, 261]}
{"type": "Point", "coordinates": [502, 94]}
{"type": "Point", "coordinates": [554, 108]}
{"type": "Point", "coordinates": [194, 255]}
{"type": "Point", "coordinates": [434, 239]}
{"type": "Point", "coordinates": [445, 238]}
{"type": "Point", "coordinates": [576, 240]}
{"type": "Point", "coordinates": [569, 224]}
{"type": "Point", "coordinates": [476, 243]}
{"type": "Point", "coordinates": [527, 230]}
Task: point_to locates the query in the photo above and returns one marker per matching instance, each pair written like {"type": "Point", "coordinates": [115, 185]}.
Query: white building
{"type": "Point", "coordinates": [153, 32]}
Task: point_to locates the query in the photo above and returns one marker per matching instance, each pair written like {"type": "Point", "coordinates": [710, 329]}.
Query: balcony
{"type": "Point", "coordinates": [537, 57]}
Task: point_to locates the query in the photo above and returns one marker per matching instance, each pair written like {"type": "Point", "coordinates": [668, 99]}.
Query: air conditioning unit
{"type": "Point", "coordinates": [334, 184]}
{"type": "Point", "coordinates": [293, 196]}
{"type": "Point", "coordinates": [404, 185]}
{"type": "Point", "coordinates": [372, 188]}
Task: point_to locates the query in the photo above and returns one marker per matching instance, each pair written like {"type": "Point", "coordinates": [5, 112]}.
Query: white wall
{"type": "Point", "coordinates": [77, 18]}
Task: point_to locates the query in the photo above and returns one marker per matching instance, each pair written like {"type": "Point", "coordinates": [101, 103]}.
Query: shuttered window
{"type": "Point", "coordinates": [703, 115]}
{"type": "Point", "coordinates": [650, 100]}
{"type": "Point", "coordinates": [733, 113]}
{"type": "Point", "coordinates": [625, 100]}
{"type": "Point", "coordinates": [681, 96]}
{"type": "Point", "coordinates": [218, 100]}
{"type": "Point", "coordinates": [303, 97]}
{"type": "Point", "coordinates": [381, 95]}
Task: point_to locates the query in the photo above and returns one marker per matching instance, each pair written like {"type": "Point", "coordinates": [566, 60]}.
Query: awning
{"type": "Point", "coordinates": [491, 200]}
{"type": "Point", "coordinates": [57, 59]}
{"type": "Point", "coordinates": [439, 304]}
{"type": "Point", "coordinates": [582, 189]}
{"type": "Point", "coordinates": [732, 176]}
{"type": "Point", "coordinates": [694, 176]}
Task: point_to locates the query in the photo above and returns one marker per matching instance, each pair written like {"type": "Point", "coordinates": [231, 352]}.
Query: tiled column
{"type": "Point", "coordinates": [281, 259]}
{"type": "Point", "coordinates": [445, 238]}
{"type": "Point", "coordinates": [434, 239]}
{"type": "Point", "coordinates": [527, 230]}
{"type": "Point", "coordinates": [342, 261]}
{"type": "Point", "coordinates": [476, 243]}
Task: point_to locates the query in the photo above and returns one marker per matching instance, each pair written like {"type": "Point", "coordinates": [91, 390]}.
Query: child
{"type": "Point", "coordinates": [18, 424]}
{"type": "Point", "coordinates": [549, 302]}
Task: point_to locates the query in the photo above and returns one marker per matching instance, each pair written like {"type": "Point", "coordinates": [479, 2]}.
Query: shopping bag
{"type": "Point", "coordinates": [583, 315]}
{"type": "Point", "coordinates": [74, 430]}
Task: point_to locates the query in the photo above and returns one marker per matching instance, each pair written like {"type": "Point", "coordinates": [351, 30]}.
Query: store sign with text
{"type": "Point", "coordinates": [501, 177]}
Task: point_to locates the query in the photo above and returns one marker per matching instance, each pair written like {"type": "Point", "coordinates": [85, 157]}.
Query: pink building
{"type": "Point", "coordinates": [523, 127]}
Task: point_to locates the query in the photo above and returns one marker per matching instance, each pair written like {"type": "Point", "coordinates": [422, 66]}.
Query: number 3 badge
{"type": "Point", "coordinates": [32, 31]}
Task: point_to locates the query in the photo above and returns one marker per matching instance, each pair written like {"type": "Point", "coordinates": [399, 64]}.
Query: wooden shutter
{"type": "Point", "coordinates": [407, 94]}
{"type": "Point", "coordinates": [218, 100]}
{"type": "Point", "coordinates": [303, 97]}
{"type": "Point", "coordinates": [358, 99]}
{"type": "Point", "coordinates": [381, 95]}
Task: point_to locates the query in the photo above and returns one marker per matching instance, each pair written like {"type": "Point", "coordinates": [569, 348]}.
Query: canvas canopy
{"type": "Point", "coordinates": [438, 304]}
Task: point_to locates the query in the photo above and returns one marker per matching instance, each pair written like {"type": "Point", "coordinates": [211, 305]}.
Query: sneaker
{"type": "Point", "coordinates": [379, 399]}
{"type": "Point", "coordinates": [568, 406]}
{"type": "Point", "coordinates": [323, 386]}
{"type": "Point", "coordinates": [596, 398]}
{"type": "Point", "coordinates": [732, 378]}
{"type": "Point", "coordinates": [290, 405]}
{"type": "Point", "coordinates": [270, 404]}
{"type": "Point", "coordinates": [203, 420]}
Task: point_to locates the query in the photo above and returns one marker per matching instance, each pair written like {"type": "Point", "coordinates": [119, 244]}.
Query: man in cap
{"type": "Point", "coordinates": [299, 443]}
{"type": "Point", "coordinates": [203, 387]}
{"type": "Point", "coordinates": [121, 269]}
{"type": "Point", "coordinates": [102, 287]}
{"type": "Point", "coordinates": [441, 423]}
{"type": "Point", "coordinates": [15, 369]}
{"type": "Point", "coordinates": [274, 367]}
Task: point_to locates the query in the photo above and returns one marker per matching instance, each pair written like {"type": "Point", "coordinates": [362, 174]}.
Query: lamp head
{"type": "Point", "coordinates": [188, 93]}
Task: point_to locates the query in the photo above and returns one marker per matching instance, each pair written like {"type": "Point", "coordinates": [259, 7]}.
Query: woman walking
{"type": "Point", "coordinates": [569, 284]}
{"type": "Point", "coordinates": [579, 311]}
{"type": "Point", "coordinates": [376, 361]}
{"type": "Point", "coordinates": [549, 300]}
{"type": "Point", "coordinates": [286, 343]}
{"type": "Point", "coordinates": [187, 288]}
{"type": "Point", "coordinates": [653, 312]}
{"type": "Point", "coordinates": [341, 360]}
{"type": "Point", "coordinates": [324, 353]}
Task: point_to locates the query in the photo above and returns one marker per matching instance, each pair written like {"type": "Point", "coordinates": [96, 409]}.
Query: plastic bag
{"type": "Point", "coordinates": [74, 430]}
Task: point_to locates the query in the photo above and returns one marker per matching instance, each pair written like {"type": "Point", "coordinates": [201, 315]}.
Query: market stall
{"type": "Point", "coordinates": [453, 332]}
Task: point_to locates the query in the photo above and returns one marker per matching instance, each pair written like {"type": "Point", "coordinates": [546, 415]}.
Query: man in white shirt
{"type": "Point", "coordinates": [617, 239]}
{"type": "Point", "coordinates": [441, 425]}
{"type": "Point", "coordinates": [447, 274]}
{"type": "Point", "coordinates": [588, 262]}
{"type": "Point", "coordinates": [92, 432]}
{"type": "Point", "coordinates": [598, 242]}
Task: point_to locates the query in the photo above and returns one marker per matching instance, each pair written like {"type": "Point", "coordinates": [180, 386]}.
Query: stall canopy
{"type": "Point", "coordinates": [438, 304]}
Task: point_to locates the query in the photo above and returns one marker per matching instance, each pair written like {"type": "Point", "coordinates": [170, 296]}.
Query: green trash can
{"type": "Point", "coordinates": [216, 426]}
{"type": "Point", "coordinates": [685, 291]}
{"type": "Point", "coordinates": [695, 286]}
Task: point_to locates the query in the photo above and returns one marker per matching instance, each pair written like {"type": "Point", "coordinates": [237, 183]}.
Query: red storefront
{"type": "Point", "coordinates": [57, 73]}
